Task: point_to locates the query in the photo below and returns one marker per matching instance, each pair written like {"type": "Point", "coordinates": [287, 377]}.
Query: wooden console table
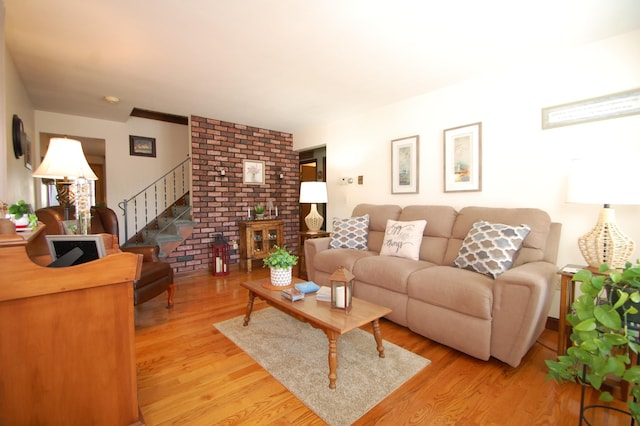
{"type": "Point", "coordinates": [257, 238]}
{"type": "Point", "coordinates": [67, 348]}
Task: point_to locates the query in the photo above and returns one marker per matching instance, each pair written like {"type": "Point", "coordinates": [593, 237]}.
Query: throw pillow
{"type": "Point", "coordinates": [403, 239]}
{"type": "Point", "coordinates": [352, 232]}
{"type": "Point", "coordinates": [489, 248]}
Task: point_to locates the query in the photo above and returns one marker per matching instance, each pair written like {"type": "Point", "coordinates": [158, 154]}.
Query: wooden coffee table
{"type": "Point", "coordinates": [320, 315]}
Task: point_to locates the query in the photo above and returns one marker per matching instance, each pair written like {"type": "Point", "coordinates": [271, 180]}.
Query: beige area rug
{"type": "Point", "coordinates": [278, 342]}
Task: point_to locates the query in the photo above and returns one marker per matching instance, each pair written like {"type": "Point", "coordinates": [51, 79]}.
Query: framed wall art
{"type": "Point", "coordinates": [253, 172]}
{"type": "Point", "coordinates": [404, 165]}
{"type": "Point", "coordinates": [463, 158]}
{"type": "Point", "coordinates": [142, 146]}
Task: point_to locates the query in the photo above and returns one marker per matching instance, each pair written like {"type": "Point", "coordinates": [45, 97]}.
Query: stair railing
{"type": "Point", "coordinates": [145, 206]}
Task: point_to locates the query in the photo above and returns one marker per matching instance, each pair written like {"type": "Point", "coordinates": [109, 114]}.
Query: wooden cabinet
{"type": "Point", "coordinates": [257, 238]}
{"type": "Point", "coordinates": [67, 340]}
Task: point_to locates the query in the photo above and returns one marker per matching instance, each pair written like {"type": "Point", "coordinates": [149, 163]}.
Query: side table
{"type": "Point", "coordinates": [567, 296]}
{"type": "Point", "coordinates": [302, 237]}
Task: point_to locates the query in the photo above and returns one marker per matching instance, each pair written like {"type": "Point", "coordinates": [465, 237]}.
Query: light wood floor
{"type": "Point", "coordinates": [190, 374]}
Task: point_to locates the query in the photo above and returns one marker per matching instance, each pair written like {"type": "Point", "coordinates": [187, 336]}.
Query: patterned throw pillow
{"type": "Point", "coordinates": [351, 232]}
{"type": "Point", "coordinates": [403, 239]}
{"type": "Point", "coordinates": [489, 248]}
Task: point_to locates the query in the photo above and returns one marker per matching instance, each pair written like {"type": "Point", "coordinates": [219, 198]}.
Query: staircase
{"type": "Point", "coordinates": [160, 214]}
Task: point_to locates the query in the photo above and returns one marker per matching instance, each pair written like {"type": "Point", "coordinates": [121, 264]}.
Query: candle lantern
{"type": "Point", "coordinates": [341, 289]}
{"type": "Point", "coordinates": [220, 249]}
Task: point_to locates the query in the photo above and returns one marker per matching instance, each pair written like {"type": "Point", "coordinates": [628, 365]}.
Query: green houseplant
{"type": "Point", "coordinates": [21, 215]}
{"type": "Point", "coordinates": [604, 333]}
{"type": "Point", "coordinates": [259, 209]}
{"type": "Point", "coordinates": [281, 262]}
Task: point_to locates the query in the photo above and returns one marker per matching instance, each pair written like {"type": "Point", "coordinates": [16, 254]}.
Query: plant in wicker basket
{"type": "Point", "coordinates": [605, 333]}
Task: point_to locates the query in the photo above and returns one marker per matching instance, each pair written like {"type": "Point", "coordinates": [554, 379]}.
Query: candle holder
{"type": "Point", "coordinates": [341, 289]}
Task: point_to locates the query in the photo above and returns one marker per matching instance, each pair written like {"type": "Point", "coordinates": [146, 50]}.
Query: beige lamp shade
{"type": "Point", "coordinates": [313, 192]}
{"type": "Point", "coordinates": [597, 181]}
{"type": "Point", "coordinates": [64, 160]}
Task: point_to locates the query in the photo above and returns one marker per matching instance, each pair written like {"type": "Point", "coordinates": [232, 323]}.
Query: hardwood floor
{"type": "Point", "coordinates": [188, 373]}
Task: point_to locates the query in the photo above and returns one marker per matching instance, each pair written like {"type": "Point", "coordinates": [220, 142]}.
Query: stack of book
{"type": "Point", "coordinates": [324, 294]}
{"type": "Point", "coordinates": [292, 294]}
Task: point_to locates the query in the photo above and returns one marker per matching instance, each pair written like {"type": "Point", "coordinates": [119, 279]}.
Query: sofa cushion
{"type": "Point", "coordinates": [328, 261]}
{"type": "Point", "coordinates": [350, 233]}
{"type": "Point", "coordinates": [403, 238]}
{"type": "Point", "coordinates": [389, 272]}
{"type": "Point", "coordinates": [454, 289]}
{"type": "Point", "coordinates": [489, 248]}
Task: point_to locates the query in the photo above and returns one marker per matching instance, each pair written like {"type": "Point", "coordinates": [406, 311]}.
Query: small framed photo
{"type": "Point", "coordinates": [404, 165]}
{"type": "Point", "coordinates": [142, 146]}
{"type": "Point", "coordinates": [253, 172]}
{"type": "Point", "coordinates": [463, 158]}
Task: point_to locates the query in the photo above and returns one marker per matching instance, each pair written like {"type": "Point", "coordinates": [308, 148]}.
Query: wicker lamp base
{"type": "Point", "coordinates": [314, 219]}
{"type": "Point", "coordinates": [606, 243]}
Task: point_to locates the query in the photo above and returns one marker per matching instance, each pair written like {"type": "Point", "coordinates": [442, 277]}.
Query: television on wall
{"type": "Point", "coordinates": [69, 250]}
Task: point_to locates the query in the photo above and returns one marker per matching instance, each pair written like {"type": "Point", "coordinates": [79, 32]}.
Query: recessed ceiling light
{"type": "Point", "coordinates": [111, 99]}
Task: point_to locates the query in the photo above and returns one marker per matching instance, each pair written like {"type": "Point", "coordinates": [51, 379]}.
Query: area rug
{"type": "Point", "coordinates": [277, 342]}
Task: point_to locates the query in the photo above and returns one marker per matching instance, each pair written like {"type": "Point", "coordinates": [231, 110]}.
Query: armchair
{"type": "Point", "coordinates": [155, 277]}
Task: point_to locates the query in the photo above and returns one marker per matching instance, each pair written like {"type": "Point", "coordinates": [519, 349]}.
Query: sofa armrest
{"type": "Point", "coordinates": [313, 246]}
{"type": "Point", "coordinates": [521, 301]}
{"type": "Point", "coordinates": [149, 253]}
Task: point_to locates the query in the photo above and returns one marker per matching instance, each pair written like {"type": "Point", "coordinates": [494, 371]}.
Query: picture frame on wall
{"type": "Point", "coordinates": [142, 146]}
{"type": "Point", "coordinates": [405, 165]}
{"type": "Point", "coordinates": [253, 172]}
{"type": "Point", "coordinates": [463, 158]}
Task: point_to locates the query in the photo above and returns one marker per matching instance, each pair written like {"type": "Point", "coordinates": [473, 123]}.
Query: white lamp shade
{"type": "Point", "coordinates": [599, 181]}
{"type": "Point", "coordinates": [313, 192]}
{"type": "Point", "coordinates": [64, 159]}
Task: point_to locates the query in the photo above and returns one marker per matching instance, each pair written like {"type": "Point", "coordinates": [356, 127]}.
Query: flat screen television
{"type": "Point", "coordinates": [68, 250]}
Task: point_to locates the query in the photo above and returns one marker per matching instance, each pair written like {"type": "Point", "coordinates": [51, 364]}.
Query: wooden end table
{"type": "Point", "coordinates": [302, 237]}
{"type": "Point", "coordinates": [318, 314]}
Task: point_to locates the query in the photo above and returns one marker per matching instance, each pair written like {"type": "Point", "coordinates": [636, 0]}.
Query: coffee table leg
{"type": "Point", "coordinates": [333, 357]}
{"type": "Point", "coordinates": [378, 337]}
{"type": "Point", "coordinates": [247, 316]}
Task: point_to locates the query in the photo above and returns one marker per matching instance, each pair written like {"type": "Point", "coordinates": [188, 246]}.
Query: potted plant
{"type": "Point", "coordinates": [604, 333]}
{"type": "Point", "coordinates": [21, 216]}
{"type": "Point", "coordinates": [259, 209]}
{"type": "Point", "coordinates": [281, 263]}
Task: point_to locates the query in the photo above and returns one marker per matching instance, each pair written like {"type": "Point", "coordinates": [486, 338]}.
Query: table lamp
{"type": "Point", "coordinates": [65, 162]}
{"type": "Point", "coordinates": [313, 192]}
{"type": "Point", "coordinates": [593, 181]}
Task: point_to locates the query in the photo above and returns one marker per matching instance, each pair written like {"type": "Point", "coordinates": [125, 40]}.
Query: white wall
{"type": "Point", "coordinates": [126, 175]}
{"type": "Point", "coordinates": [18, 177]}
{"type": "Point", "coordinates": [522, 164]}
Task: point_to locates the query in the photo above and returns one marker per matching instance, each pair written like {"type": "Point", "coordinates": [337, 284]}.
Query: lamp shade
{"type": "Point", "coordinates": [313, 192]}
{"type": "Point", "coordinates": [598, 181]}
{"type": "Point", "coordinates": [64, 159]}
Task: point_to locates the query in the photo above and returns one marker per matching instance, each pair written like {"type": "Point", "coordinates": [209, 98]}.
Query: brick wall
{"type": "Point", "coordinates": [220, 202]}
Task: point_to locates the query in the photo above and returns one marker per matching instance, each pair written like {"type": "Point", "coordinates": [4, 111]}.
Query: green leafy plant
{"type": "Point", "coordinates": [280, 258]}
{"type": "Point", "coordinates": [259, 209]}
{"type": "Point", "coordinates": [19, 209]}
{"type": "Point", "coordinates": [605, 343]}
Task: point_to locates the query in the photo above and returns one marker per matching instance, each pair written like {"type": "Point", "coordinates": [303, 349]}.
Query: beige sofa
{"type": "Point", "coordinates": [463, 309]}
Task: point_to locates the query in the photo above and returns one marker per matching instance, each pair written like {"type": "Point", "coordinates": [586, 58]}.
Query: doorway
{"type": "Point", "coordinates": [312, 169]}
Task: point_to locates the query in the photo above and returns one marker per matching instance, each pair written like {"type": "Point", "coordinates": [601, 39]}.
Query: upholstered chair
{"type": "Point", "coordinates": [156, 276]}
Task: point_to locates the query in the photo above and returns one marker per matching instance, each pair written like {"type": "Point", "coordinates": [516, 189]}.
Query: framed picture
{"type": "Point", "coordinates": [601, 108]}
{"type": "Point", "coordinates": [142, 146]}
{"type": "Point", "coordinates": [253, 172]}
{"type": "Point", "coordinates": [463, 158]}
{"type": "Point", "coordinates": [404, 165]}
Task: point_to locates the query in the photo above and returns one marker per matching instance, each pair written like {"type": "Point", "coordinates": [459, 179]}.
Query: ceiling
{"type": "Point", "coordinates": [280, 64]}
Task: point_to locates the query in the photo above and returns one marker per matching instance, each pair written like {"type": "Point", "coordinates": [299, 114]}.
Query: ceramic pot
{"type": "Point", "coordinates": [280, 277]}
{"type": "Point", "coordinates": [21, 223]}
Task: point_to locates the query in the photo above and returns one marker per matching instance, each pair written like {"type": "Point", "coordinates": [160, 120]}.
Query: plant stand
{"type": "Point", "coordinates": [584, 409]}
